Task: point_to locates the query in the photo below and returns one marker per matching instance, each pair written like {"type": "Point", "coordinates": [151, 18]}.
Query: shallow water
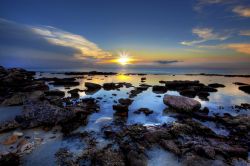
{"type": "Point", "coordinates": [219, 103]}
{"type": "Point", "coordinates": [158, 156]}
{"type": "Point", "coordinates": [9, 113]}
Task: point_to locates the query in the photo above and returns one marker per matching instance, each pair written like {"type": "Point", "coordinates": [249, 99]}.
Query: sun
{"type": "Point", "coordinates": [124, 58]}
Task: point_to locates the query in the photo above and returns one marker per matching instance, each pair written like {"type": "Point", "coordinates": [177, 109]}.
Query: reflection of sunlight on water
{"type": "Point", "coordinates": [122, 77]}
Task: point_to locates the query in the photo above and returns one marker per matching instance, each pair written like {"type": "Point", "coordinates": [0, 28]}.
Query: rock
{"type": "Point", "coordinates": [170, 145]}
{"type": "Point", "coordinates": [203, 95]}
{"type": "Point", "coordinates": [92, 86]}
{"type": "Point", "coordinates": [62, 81]}
{"type": "Point", "coordinates": [9, 159]}
{"type": "Point", "coordinates": [125, 101]}
{"type": "Point", "coordinates": [16, 99]}
{"type": "Point", "coordinates": [112, 86]}
{"type": "Point", "coordinates": [146, 111]}
{"type": "Point", "coordinates": [10, 140]}
{"type": "Point", "coordinates": [181, 103]}
{"type": "Point", "coordinates": [216, 85]}
{"type": "Point", "coordinates": [136, 159]}
{"type": "Point", "coordinates": [19, 134]}
{"type": "Point", "coordinates": [245, 88]}
{"type": "Point", "coordinates": [188, 93]}
{"type": "Point", "coordinates": [24, 146]}
{"type": "Point", "coordinates": [74, 93]}
{"type": "Point", "coordinates": [39, 113]}
{"type": "Point", "coordinates": [121, 109]}
{"type": "Point", "coordinates": [55, 93]}
{"type": "Point", "coordinates": [239, 83]}
{"type": "Point", "coordinates": [159, 89]}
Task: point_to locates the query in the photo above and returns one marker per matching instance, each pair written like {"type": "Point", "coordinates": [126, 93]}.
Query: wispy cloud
{"type": "Point", "coordinates": [240, 47]}
{"type": "Point", "coordinates": [62, 38]}
{"type": "Point", "coordinates": [46, 47]}
{"type": "Point", "coordinates": [202, 3]}
{"type": "Point", "coordinates": [244, 33]}
{"type": "Point", "coordinates": [242, 11]}
{"type": "Point", "coordinates": [243, 48]}
{"type": "Point", "coordinates": [205, 34]}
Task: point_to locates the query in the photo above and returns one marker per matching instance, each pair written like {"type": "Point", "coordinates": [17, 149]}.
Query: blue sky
{"type": "Point", "coordinates": [190, 33]}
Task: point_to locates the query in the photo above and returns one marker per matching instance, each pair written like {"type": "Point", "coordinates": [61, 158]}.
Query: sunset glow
{"type": "Point", "coordinates": [124, 58]}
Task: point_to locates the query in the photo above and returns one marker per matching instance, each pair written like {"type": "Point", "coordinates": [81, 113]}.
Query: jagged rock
{"type": "Point", "coordinates": [55, 93]}
{"type": "Point", "coordinates": [125, 101]}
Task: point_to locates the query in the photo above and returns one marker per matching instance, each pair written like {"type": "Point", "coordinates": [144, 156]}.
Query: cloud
{"type": "Point", "coordinates": [202, 3]}
{"type": "Point", "coordinates": [245, 33]}
{"type": "Point", "coordinates": [46, 47]}
{"type": "Point", "coordinates": [164, 62]}
{"type": "Point", "coordinates": [242, 11]}
{"type": "Point", "coordinates": [240, 47]}
{"type": "Point", "coordinates": [205, 34]}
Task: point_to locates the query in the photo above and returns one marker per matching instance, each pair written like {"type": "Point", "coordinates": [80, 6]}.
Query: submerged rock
{"type": "Point", "coordinates": [146, 111]}
{"type": "Point", "coordinates": [181, 103]}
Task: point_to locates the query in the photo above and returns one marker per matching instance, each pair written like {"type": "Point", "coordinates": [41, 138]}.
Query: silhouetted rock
{"type": "Point", "coordinates": [216, 85]}
{"type": "Point", "coordinates": [245, 88]}
{"type": "Point", "coordinates": [159, 89]}
{"type": "Point", "coordinates": [146, 111]}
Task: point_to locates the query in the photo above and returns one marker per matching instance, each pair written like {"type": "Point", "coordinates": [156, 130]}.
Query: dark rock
{"type": "Point", "coordinates": [188, 93]}
{"type": "Point", "coordinates": [125, 101]}
{"type": "Point", "coordinates": [171, 146]}
{"type": "Point", "coordinates": [136, 159]}
{"type": "Point", "coordinates": [55, 93]}
{"type": "Point", "coordinates": [121, 109]}
{"type": "Point", "coordinates": [159, 89]}
{"type": "Point", "coordinates": [216, 85]}
{"type": "Point", "coordinates": [10, 159]}
{"type": "Point", "coordinates": [146, 111]}
{"type": "Point", "coordinates": [239, 83]}
{"type": "Point", "coordinates": [245, 88]}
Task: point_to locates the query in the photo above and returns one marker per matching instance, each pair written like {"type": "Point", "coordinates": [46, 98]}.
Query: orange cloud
{"type": "Point", "coordinates": [242, 11]}
{"type": "Point", "coordinates": [240, 47]}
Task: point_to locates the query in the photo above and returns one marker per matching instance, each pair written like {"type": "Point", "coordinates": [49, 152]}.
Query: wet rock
{"type": "Point", "coordinates": [146, 111]}
{"type": "Point", "coordinates": [136, 159]}
{"type": "Point", "coordinates": [14, 100]}
{"type": "Point", "coordinates": [121, 110]}
{"type": "Point", "coordinates": [171, 146]}
{"type": "Point", "coordinates": [245, 88]}
{"type": "Point", "coordinates": [216, 85]}
{"type": "Point", "coordinates": [188, 93]}
{"type": "Point", "coordinates": [243, 106]}
{"type": "Point", "coordinates": [143, 79]}
{"type": "Point", "coordinates": [159, 89]}
{"type": "Point", "coordinates": [24, 146]}
{"type": "Point", "coordinates": [10, 140]}
{"type": "Point", "coordinates": [68, 82]}
{"type": "Point", "coordinates": [9, 125]}
{"type": "Point", "coordinates": [181, 103]}
{"type": "Point", "coordinates": [42, 113]}
{"type": "Point", "coordinates": [239, 83]}
{"type": "Point", "coordinates": [108, 157]}
{"type": "Point", "coordinates": [74, 92]}
{"type": "Point", "coordinates": [92, 87]}
{"type": "Point", "coordinates": [55, 93]}
{"type": "Point", "coordinates": [203, 95]}
{"type": "Point", "coordinates": [176, 84]}
{"type": "Point", "coordinates": [9, 159]}
{"type": "Point", "coordinates": [111, 86]}
{"type": "Point", "coordinates": [125, 101]}
{"type": "Point", "coordinates": [65, 157]}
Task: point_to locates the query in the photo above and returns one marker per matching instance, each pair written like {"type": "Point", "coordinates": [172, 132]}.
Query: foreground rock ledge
{"type": "Point", "coordinates": [181, 103]}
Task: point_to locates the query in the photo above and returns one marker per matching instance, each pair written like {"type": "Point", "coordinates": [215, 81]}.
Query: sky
{"type": "Point", "coordinates": [63, 34]}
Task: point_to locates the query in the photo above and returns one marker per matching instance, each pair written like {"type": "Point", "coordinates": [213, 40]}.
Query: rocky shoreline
{"type": "Point", "coordinates": [190, 141]}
